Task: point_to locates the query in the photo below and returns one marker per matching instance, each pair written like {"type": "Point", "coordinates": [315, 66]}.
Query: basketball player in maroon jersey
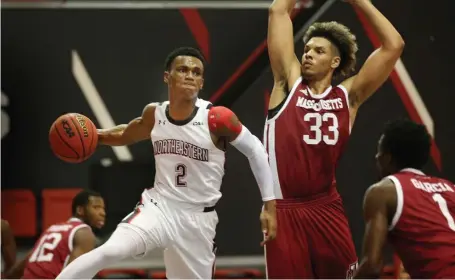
{"type": "Point", "coordinates": [62, 243]}
{"type": "Point", "coordinates": [307, 129]}
{"type": "Point", "coordinates": [414, 211]}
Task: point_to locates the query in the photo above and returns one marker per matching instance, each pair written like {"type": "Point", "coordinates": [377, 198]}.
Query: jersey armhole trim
{"type": "Point", "coordinates": [72, 233]}
{"type": "Point", "coordinates": [400, 202]}
{"type": "Point", "coordinates": [288, 98]}
{"type": "Point", "coordinates": [346, 94]}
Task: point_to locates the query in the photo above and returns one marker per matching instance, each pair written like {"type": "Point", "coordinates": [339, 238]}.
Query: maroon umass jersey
{"type": "Point", "coordinates": [422, 230]}
{"type": "Point", "coordinates": [52, 250]}
{"type": "Point", "coordinates": [305, 139]}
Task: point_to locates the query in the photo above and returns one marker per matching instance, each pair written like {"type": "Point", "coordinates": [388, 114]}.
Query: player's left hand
{"type": "Point", "coordinates": [268, 221]}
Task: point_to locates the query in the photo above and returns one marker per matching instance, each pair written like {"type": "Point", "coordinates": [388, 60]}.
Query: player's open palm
{"type": "Point", "coordinates": [268, 221]}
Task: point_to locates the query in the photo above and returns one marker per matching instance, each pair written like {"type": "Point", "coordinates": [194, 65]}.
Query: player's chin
{"type": "Point", "coordinates": [190, 91]}
{"type": "Point", "coordinates": [98, 224]}
{"type": "Point", "coordinates": [307, 73]}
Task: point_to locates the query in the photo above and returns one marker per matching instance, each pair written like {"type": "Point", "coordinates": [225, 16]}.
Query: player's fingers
{"type": "Point", "coordinates": [264, 223]}
{"type": "Point", "coordinates": [272, 229]}
{"type": "Point", "coordinates": [264, 228]}
{"type": "Point", "coordinates": [266, 239]}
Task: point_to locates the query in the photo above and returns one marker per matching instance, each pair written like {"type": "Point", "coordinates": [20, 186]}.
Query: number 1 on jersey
{"type": "Point", "coordinates": [180, 170]}
{"type": "Point", "coordinates": [444, 209]}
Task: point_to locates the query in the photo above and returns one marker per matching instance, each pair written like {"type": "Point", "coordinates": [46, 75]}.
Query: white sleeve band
{"type": "Point", "coordinates": [252, 148]}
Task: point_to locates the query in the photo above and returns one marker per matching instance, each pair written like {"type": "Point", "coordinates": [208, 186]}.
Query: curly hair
{"type": "Point", "coordinates": [408, 142]}
{"type": "Point", "coordinates": [339, 35]}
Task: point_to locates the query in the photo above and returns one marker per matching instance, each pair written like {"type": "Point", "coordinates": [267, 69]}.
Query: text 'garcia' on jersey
{"type": "Point", "coordinates": [431, 187]}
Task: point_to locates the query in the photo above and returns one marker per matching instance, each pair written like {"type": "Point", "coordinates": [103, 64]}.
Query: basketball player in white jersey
{"type": "Point", "coordinates": [177, 214]}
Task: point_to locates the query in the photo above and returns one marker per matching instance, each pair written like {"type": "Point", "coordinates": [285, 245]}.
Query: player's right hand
{"type": "Point", "coordinates": [268, 221]}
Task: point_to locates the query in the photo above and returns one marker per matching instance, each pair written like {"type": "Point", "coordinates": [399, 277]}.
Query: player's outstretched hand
{"type": "Point", "coordinates": [268, 221]}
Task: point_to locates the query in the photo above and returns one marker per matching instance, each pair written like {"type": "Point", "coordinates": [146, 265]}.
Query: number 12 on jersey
{"type": "Point", "coordinates": [318, 120]}
{"type": "Point", "coordinates": [47, 244]}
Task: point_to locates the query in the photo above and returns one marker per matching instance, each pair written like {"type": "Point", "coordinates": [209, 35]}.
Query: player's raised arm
{"type": "Point", "coordinates": [280, 40]}
{"type": "Point", "coordinates": [126, 134]}
{"type": "Point", "coordinates": [224, 123]}
{"type": "Point", "coordinates": [378, 206]}
{"type": "Point", "coordinates": [381, 62]}
{"type": "Point", "coordinates": [83, 242]}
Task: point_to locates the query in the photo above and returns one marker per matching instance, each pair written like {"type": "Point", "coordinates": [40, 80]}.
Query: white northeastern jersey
{"type": "Point", "coordinates": [189, 167]}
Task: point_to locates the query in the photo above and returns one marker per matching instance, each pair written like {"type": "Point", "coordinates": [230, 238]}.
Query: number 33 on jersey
{"type": "Point", "coordinates": [308, 132]}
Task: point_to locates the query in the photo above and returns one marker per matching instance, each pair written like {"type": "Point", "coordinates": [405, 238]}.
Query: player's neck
{"type": "Point", "coordinates": [319, 86]}
{"type": "Point", "coordinates": [181, 109]}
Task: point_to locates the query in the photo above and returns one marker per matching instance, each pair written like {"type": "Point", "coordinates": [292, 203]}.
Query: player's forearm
{"type": "Point", "coordinates": [112, 136]}
{"type": "Point", "coordinates": [17, 270]}
{"type": "Point", "coordinates": [388, 35]}
{"type": "Point", "coordinates": [263, 174]}
{"type": "Point", "coordinates": [8, 246]}
{"type": "Point", "coordinates": [282, 6]}
{"type": "Point", "coordinates": [253, 149]}
{"type": "Point", "coordinates": [9, 255]}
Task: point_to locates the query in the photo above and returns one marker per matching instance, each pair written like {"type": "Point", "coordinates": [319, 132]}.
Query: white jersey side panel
{"type": "Point", "coordinates": [189, 167]}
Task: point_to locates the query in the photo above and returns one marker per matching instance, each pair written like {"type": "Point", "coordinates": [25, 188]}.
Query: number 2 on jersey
{"type": "Point", "coordinates": [180, 170]}
{"type": "Point", "coordinates": [444, 209]}
{"type": "Point", "coordinates": [318, 120]}
{"type": "Point", "coordinates": [43, 252]}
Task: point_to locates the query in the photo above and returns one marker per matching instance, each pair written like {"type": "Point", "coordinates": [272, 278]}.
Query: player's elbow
{"type": "Point", "coordinates": [399, 44]}
{"type": "Point", "coordinates": [396, 44]}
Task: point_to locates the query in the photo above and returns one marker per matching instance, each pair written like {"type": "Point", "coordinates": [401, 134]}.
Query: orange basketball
{"type": "Point", "coordinates": [73, 137]}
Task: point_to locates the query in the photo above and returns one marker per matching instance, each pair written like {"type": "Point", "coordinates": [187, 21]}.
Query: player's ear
{"type": "Point", "coordinates": [335, 62]}
{"type": "Point", "coordinates": [387, 159]}
{"type": "Point", "coordinates": [166, 77]}
{"type": "Point", "coordinates": [80, 211]}
{"type": "Point", "coordinates": [201, 86]}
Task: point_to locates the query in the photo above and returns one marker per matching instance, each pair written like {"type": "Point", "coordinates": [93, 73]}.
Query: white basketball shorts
{"type": "Point", "coordinates": [185, 232]}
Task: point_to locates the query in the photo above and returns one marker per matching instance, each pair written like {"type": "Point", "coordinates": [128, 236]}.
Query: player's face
{"type": "Point", "coordinates": [95, 214]}
{"type": "Point", "coordinates": [186, 76]}
{"type": "Point", "coordinates": [382, 159]}
{"type": "Point", "coordinates": [319, 58]}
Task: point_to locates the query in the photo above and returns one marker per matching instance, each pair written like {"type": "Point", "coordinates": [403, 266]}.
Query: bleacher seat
{"type": "Point", "coordinates": [57, 205]}
{"type": "Point", "coordinates": [19, 209]}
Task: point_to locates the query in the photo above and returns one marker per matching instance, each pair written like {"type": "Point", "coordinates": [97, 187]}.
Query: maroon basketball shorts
{"type": "Point", "coordinates": [313, 240]}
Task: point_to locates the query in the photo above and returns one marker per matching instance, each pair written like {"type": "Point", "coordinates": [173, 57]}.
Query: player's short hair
{"type": "Point", "coordinates": [185, 51]}
{"type": "Point", "coordinates": [82, 199]}
{"type": "Point", "coordinates": [339, 35]}
{"type": "Point", "coordinates": [407, 142]}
